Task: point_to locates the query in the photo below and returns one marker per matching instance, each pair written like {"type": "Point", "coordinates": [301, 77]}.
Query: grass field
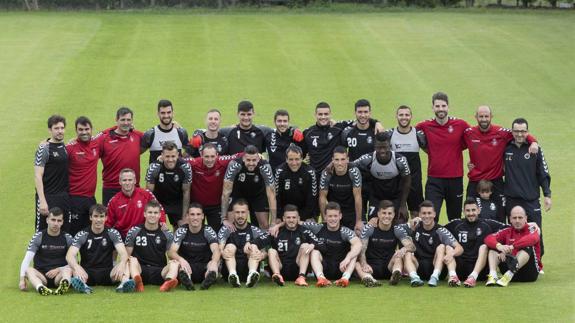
{"type": "Point", "coordinates": [520, 63]}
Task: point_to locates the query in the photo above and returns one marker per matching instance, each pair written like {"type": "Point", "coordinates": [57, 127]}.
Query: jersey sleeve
{"type": "Point", "coordinates": [69, 240]}
{"type": "Point", "coordinates": [114, 236]}
{"type": "Point", "coordinates": [80, 239]}
{"type": "Point", "coordinates": [232, 171]}
{"type": "Point", "coordinates": [131, 236]}
{"type": "Point", "coordinates": [147, 139]}
{"type": "Point", "coordinates": [451, 225]}
{"type": "Point", "coordinates": [210, 235]}
{"type": "Point", "coordinates": [153, 172]}
{"type": "Point", "coordinates": [187, 169]}
{"type": "Point", "coordinates": [313, 179]}
{"type": "Point", "coordinates": [42, 154]}
{"type": "Point", "coordinates": [35, 242]}
{"type": "Point", "coordinates": [543, 176]}
{"type": "Point", "coordinates": [267, 174]}
{"type": "Point", "coordinates": [495, 226]}
{"type": "Point", "coordinates": [421, 139]}
{"type": "Point", "coordinates": [184, 138]}
{"type": "Point", "coordinates": [169, 238]}
{"type": "Point", "coordinates": [446, 237]}
{"type": "Point", "coordinates": [312, 226]}
{"type": "Point", "coordinates": [179, 235]}
{"type": "Point", "coordinates": [261, 238]}
{"type": "Point", "coordinates": [324, 181]}
{"type": "Point", "coordinates": [402, 165]}
{"type": "Point", "coordinates": [265, 130]}
{"type": "Point", "coordinates": [355, 176]}
{"type": "Point", "coordinates": [347, 234]}
{"type": "Point", "coordinates": [530, 239]}
{"type": "Point", "coordinates": [223, 234]}
{"type": "Point", "coordinates": [401, 232]}
{"type": "Point", "coordinates": [366, 232]}
{"type": "Point", "coordinates": [363, 163]}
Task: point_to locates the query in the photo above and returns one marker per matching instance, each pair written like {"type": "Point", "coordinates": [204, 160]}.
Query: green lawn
{"type": "Point", "coordinates": [520, 63]}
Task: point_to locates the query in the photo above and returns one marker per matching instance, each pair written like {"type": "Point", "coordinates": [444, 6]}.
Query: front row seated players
{"type": "Point", "coordinates": [48, 249]}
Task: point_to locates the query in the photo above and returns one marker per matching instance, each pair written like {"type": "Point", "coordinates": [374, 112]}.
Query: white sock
{"type": "Point", "coordinates": [452, 273]}
{"type": "Point", "coordinates": [252, 272]}
{"type": "Point", "coordinates": [413, 274]}
{"type": "Point", "coordinates": [368, 276]}
{"type": "Point", "coordinates": [40, 285]}
{"type": "Point", "coordinates": [493, 274]}
{"type": "Point", "coordinates": [509, 274]}
{"type": "Point", "coordinates": [473, 274]}
{"type": "Point", "coordinates": [436, 273]}
{"type": "Point", "coordinates": [320, 275]}
{"type": "Point", "coordinates": [345, 276]}
{"type": "Point", "coordinates": [233, 272]}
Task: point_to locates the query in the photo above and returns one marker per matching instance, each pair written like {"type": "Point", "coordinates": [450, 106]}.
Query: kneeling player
{"type": "Point", "coordinates": [96, 245]}
{"type": "Point", "coordinates": [147, 245]}
{"type": "Point", "coordinates": [342, 246]}
{"type": "Point", "coordinates": [434, 247]}
{"type": "Point", "coordinates": [48, 249]}
{"type": "Point", "coordinates": [516, 250]}
{"type": "Point", "coordinates": [242, 246]}
{"type": "Point", "coordinates": [291, 248]}
{"type": "Point", "coordinates": [196, 249]}
{"type": "Point", "coordinates": [380, 258]}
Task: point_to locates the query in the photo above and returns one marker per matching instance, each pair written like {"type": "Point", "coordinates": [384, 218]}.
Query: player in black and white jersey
{"type": "Point", "coordinates": [383, 248]}
{"type": "Point", "coordinates": [48, 250]}
{"type": "Point", "coordinates": [280, 138]}
{"type": "Point", "coordinates": [243, 247]}
{"type": "Point", "coordinates": [164, 132]}
{"type": "Point", "coordinates": [147, 245]}
{"type": "Point", "coordinates": [390, 176]}
{"type": "Point", "coordinates": [51, 175]}
{"type": "Point", "coordinates": [341, 183]}
{"type": "Point", "coordinates": [245, 133]}
{"type": "Point", "coordinates": [336, 260]}
{"type": "Point", "coordinates": [296, 184]}
{"type": "Point", "coordinates": [211, 134]}
{"type": "Point", "coordinates": [435, 247]}
{"type": "Point", "coordinates": [250, 178]}
{"type": "Point", "coordinates": [196, 249]}
{"type": "Point", "coordinates": [170, 180]}
{"type": "Point", "coordinates": [407, 141]}
{"type": "Point", "coordinates": [96, 245]}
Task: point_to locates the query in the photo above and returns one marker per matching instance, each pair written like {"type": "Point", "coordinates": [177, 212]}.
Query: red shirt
{"type": "Point", "coordinates": [208, 183]}
{"type": "Point", "coordinates": [125, 212]}
{"type": "Point", "coordinates": [83, 167]}
{"type": "Point", "coordinates": [119, 152]}
{"type": "Point", "coordinates": [445, 147]}
{"type": "Point", "coordinates": [486, 151]}
{"type": "Point", "coordinates": [528, 236]}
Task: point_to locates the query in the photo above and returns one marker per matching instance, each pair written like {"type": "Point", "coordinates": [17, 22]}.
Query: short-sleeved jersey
{"type": "Point", "coordinates": [385, 178]}
{"type": "Point", "coordinates": [239, 138]}
{"type": "Point", "coordinates": [288, 242]}
{"type": "Point", "coordinates": [195, 247]}
{"type": "Point", "coordinates": [246, 183]}
{"type": "Point", "coordinates": [118, 152]}
{"type": "Point", "coordinates": [49, 251]}
{"type": "Point", "coordinates": [470, 235]}
{"type": "Point", "coordinates": [525, 173]}
{"type": "Point", "coordinates": [168, 184]}
{"type": "Point", "coordinates": [96, 249]}
{"type": "Point", "coordinates": [487, 208]}
{"type": "Point", "coordinates": [427, 241]}
{"type": "Point", "coordinates": [358, 142]}
{"type": "Point", "coordinates": [298, 188]}
{"type": "Point", "coordinates": [54, 158]}
{"type": "Point", "coordinates": [340, 187]}
{"type": "Point", "coordinates": [155, 137]}
{"type": "Point", "coordinates": [319, 143]}
{"type": "Point", "coordinates": [381, 244]}
{"type": "Point", "coordinates": [240, 237]}
{"type": "Point", "coordinates": [408, 145]}
{"type": "Point", "coordinates": [277, 144]}
{"type": "Point", "coordinates": [150, 246]}
{"type": "Point", "coordinates": [83, 167]}
{"type": "Point", "coordinates": [336, 243]}
{"type": "Point", "coordinates": [221, 143]}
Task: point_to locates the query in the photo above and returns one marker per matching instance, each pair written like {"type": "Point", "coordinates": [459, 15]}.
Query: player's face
{"type": "Point", "coordinates": [291, 219]}
{"type": "Point", "coordinates": [282, 123]}
{"type": "Point", "coordinates": [486, 195]}
{"type": "Point", "coordinates": [84, 132]}
{"type": "Point", "coordinates": [340, 161]}
{"type": "Point", "coordinates": [519, 132]}
{"type": "Point", "coordinates": [322, 116]}
{"type": "Point", "coordinates": [152, 215]}
{"type": "Point", "coordinates": [124, 123]}
{"type": "Point", "coordinates": [403, 117]}
{"type": "Point", "coordinates": [98, 220]}
{"type": "Point", "coordinates": [128, 182]}
{"type": "Point", "coordinates": [518, 218]}
{"type": "Point", "coordinates": [332, 218]}
{"type": "Point", "coordinates": [362, 115]}
{"type": "Point", "coordinates": [251, 161]}
{"type": "Point", "coordinates": [440, 108]}
{"type": "Point", "coordinates": [57, 131]}
{"type": "Point", "coordinates": [382, 151]}
{"type": "Point", "coordinates": [385, 216]}
{"type": "Point", "coordinates": [195, 217]}
{"type": "Point", "coordinates": [166, 114]}
{"type": "Point", "coordinates": [246, 118]}
{"type": "Point", "coordinates": [241, 213]}
{"type": "Point", "coordinates": [293, 160]}
{"type": "Point", "coordinates": [471, 212]}
{"type": "Point", "coordinates": [483, 117]}
{"type": "Point", "coordinates": [427, 215]}
{"type": "Point", "coordinates": [170, 157]}
{"type": "Point", "coordinates": [209, 156]}
{"type": "Point", "coordinates": [54, 222]}
{"type": "Point", "coordinates": [213, 120]}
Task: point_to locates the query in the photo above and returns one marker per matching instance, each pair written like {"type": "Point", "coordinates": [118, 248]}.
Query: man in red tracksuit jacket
{"type": "Point", "coordinates": [516, 250]}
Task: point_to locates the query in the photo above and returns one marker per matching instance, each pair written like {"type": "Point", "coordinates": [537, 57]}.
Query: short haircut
{"type": "Point", "coordinates": [292, 148]}
{"type": "Point", "coordinates": [55, 119]}
{"type": "Point", "coordinates": [153, 203]}
{"type": "Point", "coordinates": [384, 204]}
{"type": "Point", "coordinates": [97, 208]}
{"type": "Point", "coordinates": [402, 107]}
{"type": "Point", "coordinates": [164, 104]}
{"type": "Point", "coordinates": [339, 150]}
{"type": "Point", "coordinates": [469, 201]}
{"type": "Point", "coordinates": [127, 170]}
{"type": "Point", "coordinates": [322, 105]}
{"type": "Point", "coordinates": [209, 145]}
{"type": "Point", "coordinates": [240, 202]}
{"type": "Point", "coordinates": [56, 211]}
{"type": "Point", "coordinates": [484, 186]}
{"type": "Point", "coordinates": [382, 137]}
{"type": "Point", "coordinates": [214, 110]}
{"type": "Point", "coordinates": [196, 205]}
{"type": "Point", "coordinates": [426, 203]}
{"type": "Point", "coordinates": [251, 150]}
{"type": "Point", "coordinates": [290, 208]}
{"type": "Point", "coordinates": [122, 111]}
{"type": "Point", "coordinates": [83, 121]}
{"type": "Point", "coordinates": [439, 96]}
{"type": "Point", "coordinates": [169, 145]}
{"type": "Point", "coordinates": [516, 121]}
{"type": "Point", "coordinates": [332, 206]}
{"type": "Point", "coordinates": [362, 103]}
{"type": "Point", "coordinates": [281, 112]}
{"type": "Point", "coordinates": [245, 106]}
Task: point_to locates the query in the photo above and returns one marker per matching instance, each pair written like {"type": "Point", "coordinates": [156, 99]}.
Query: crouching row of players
{"type": "Point", "coordinates": [384, 250]}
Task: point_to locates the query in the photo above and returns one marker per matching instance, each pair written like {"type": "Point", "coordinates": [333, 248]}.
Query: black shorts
{"type": "Point", "coordinates": [80, 212]}
{"type": "Point", "coordinates": [199, 272]}
{"type": "Point", "coordinates": [290, 270]}
{"type": "Point", "coordinates": [425, 268]}
{"type": "Point", "coordinates": [415, 196]}
{"type": "Point", "coordinates": [465, 268]}
{"type": "Point", "coordinates": [213, 215]}
{"type": "Point", "coordinates": [99, 276]}
{"type": "Point", "coordinates": [379, 266]}
{"type": "Point", "coordinates": [152, 275]}
{"type": "Point", "coordinates": [241, 268]}
{"type": "Point", "coordinates": [108, 193]}
{"type": "Point", "coordinates": [50, 282]}
{"type": "Point", "coordinates": [529, 272]}
{"type": "Point", "coordinates": [448, 189]}
{"type": "Point", "coordinates": [61, 200]}
{"type": "Point", "coordinates": [331, 269]}
{"type": "Point", "coordinates": [256, 204]}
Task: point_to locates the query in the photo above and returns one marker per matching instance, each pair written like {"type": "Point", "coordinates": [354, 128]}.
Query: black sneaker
{"type": "Point", "coordinates": [185, 280]}
{"type": "Point", "coordinates": [252, 280]}
{"type": "Point", "coordinates": [512, 263]}
{"type": "Point", "coordinates": [62, 287]}
{"type": "Point", "coordinates": [209, 280]}
{"type": "Point", "coordinates": [234, 280]}
{"type": "Point", "coordinates": [45, 291]}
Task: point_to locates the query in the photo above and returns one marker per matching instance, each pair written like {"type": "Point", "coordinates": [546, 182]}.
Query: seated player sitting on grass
{"type": "Point", "coordinates": [96, 245]}
{"type": "Point", "coordinates": [196, 250]}
{"type": "Point", "coordinates": [147, 245]}
{"type": "Point", "coordinates": [516, 250]}
{"type": "Point", "coordinates": [48, 250]}
{"type": "Point", "coordinates": [380, 257]}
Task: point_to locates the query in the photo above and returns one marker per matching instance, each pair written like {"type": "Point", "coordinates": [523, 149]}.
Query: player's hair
{"type": "Point", "coordinates": [382, 137]}
{"type": "Point", "coordinates": [209, 145]}
{"type": "Point", "coordinates": [322, 105]}
{"type": "Point", "coordinates": [484, 186]}
{"type": "Point", "coordinates": [402, 107]}
{"type": "Point", "coordinates": [122, 111]}
{"type": "Point", "coordinates": [516, 121]}
{"type": "Point", "coordinates": [332, 206]}
{"type": "Point", "coordinates": [292, 148]}
{"type": "Point", "coordinates": [164, 104]}
{"type": "Point", "coordinates": [384, 204]}
{"type": "Point", "coordinates": [439, 96]}
{"type": "Point", "coordinates": [281, 112]}
{"type": "Point", "coordinates": [339, 150]}
{"type": "Point", "coordinates": [153, 203]}
{"type": "Point", "coordinates": [214, 110]}
{"type": "Point", "coordinates": [362, 103]}
{"type": "Point", "coordinates": [55, 119]}
{"type": "Point", "coordinates": [426, 203]}
{"type": "Point", "coordinates": [196, 205]}
{"type": "Point", "coordinates": [83, 121]}
{"type": "Point", "coordinates": [97, 208]}
{"type": "Point", "coordinates": [240, 202]}
{"type": "Point", "coordinates": [251, 150]}
{"type": "Point", "coordinates": [127, 170]}
{"type": "Point", "coordinates": [245, 106]}
{"type": "Point", "coordinates": [469, 201]}
{"type": "Point", "coordinates": [56, 211]}
{"type": "Point", "coordinates": [169, 145]}
{"type": "Point", "coordinates": [290, 208]}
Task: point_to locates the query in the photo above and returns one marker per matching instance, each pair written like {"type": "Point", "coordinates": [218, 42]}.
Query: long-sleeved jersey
{"type": "Point", "coordinates": [125, 212]}
{"type": "Point", "coordinates": [470, 235]}
{"type": "Point", "coordinates": [83, 167]}
{"type": "Point", "coordinates": [119, 152]}
{"type": "Point", "coordinates": [168, 184]}
{"type": "Point", "coordinates": [298, 188]}
{"type": "Point", "coordinates": [527, 236]}
{"type": "Point", "coordinates": [277, 144]}
{"type": "Point", "coordinates": [525, 173]}
{"type": "Point", "coordinates": [208, 183]}
{"type": "Point", "coordinates": [247, 183]}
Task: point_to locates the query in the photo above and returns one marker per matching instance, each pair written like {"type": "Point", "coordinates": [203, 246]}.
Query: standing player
{"type": "Point", "coordinates": [245, 133]}
{"type": "Point", "coordinates": [250, 178]}
{"type": "Point", "coordinates": [445, 147]}
{"type": "Point", "coordinates": [212, 135]}
{"type": "Point", "coordinates": [407, 141]}
{"type": "Point", "coordinates": [380, 257]}
{"type": "Point", "coordinates": [279, 139]}
{"type": "Point", "coordinates": [170, 181]}
{"type": "Point", "coordinates": [96, 245]}
{"type": "Point", "coordinates": [296, 184]}
{"type": "Point", "coordinates": [51, 175]}
{"type": "Point", "coordinates": [165, 132]}
{"type": "Point", "coordinates": [196, 249]}
{"type": "Point", "coordinates": [48, 250]}
{"type": "Point", "coordinates": [342, 185]}
{"type": "Point", "coordinates": [242, 247]}
{"type": "Point", "coordinates": [147, 245]}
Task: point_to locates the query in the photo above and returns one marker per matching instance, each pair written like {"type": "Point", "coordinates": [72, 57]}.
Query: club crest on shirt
{"type": "Point", "coordinates": [527, 156]}
{"type": "Point", "coordinates": [494, 142]}
{"type": "Point", "coordinates": [492, 206]}
{"type": "Point", "coordinates": [369, 139]}
{"type": "Point", "coordinates": [94, 152]}
{"type": "Point", "coordinates": [176, 178]}
{"type": "Point", "coordinates": [55, 154]}
{"type": "Point", "coordinates": [139, 204]}
{"type": "Point", "coordinates": [300, 181]}
{"type": "Point", "coordinates": [430, 241]}
{"type": "Point", "coordinates": [158, 240]}
{"type": "Point", "coordinates": [478, 232]}
{"type": "Point", "coordinates": [104, 242]}
{"type": "Point", "coordinates": [450, 129]}
{"type": "Point", "coordinates": [217, 173]}
{"type": "Point", "coordinates": [297, 241]}
{"type": "Point", "coordinates": [252, 134]}
{"type": "Point", "coordinates": [256, 179]}
{"type": "Point", "coordinates": [329, 136]}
